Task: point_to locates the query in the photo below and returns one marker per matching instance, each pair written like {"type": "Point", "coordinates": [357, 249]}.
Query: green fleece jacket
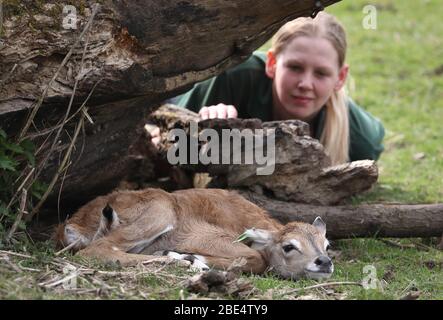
{"type": "Point", "coordinates": [247, 87]}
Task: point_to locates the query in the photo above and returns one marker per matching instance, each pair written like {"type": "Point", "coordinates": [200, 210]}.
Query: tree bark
{"type": "Point", "coordinates": [372, 220]}
{"type": "Point", "coordinates": [302, 171]}
{"type": "Point", "coordinates": [300, 189]}
{"type": "Point", "coordinates": [137, 54]}
{"type": "Point", "coordinates": [145, 47]}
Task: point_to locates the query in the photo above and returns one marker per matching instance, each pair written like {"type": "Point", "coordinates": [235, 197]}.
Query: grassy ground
{"type": "Point", "coordinates": [33, 271]}
{"type": "Point", "coordinates": [397, 74]}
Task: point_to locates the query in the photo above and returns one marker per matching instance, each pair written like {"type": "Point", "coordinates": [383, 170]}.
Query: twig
{"type": "Point", "coordinates": [13, 266]}
{"type": "Point", "coordinates": [423, 246]}
{"type": "Point", "coordinates": [34, 112]}
{"type": "Point", "coordinates": [25, 180]}
{"type": "Point", "coordinates": [63, 165]}
{"type": "Point", "coordinates": [26, 268]}
{"type": "Point", "coordinates": [63, 261]}
{"type": "Point", "coordinates": [67, 248]}
{"type": "Point", "coordinates": [49, 131]}
{"type": "Point", "coordinates": [60, 194]}
{"type": "Point", "coordinates": [65, 60]}
{"type": "Point", "coordinates": [1, 17]}
{"type": "Point", "coordinates": [20, 188]}
{"type": "Point", "coordinates": [16, 254]}
{"type": "Point", "coordinates": [55, 140]}
{"type": "Point", "coordinates": [68, 111]}
{"type": "Point", "coordinates": [410, 285]}
{"type": "Point", "coordinates": [414, 245]}
{"type": "Point", "coordinates": [396, 244]}
{"type": "Point", "coordinates": [84, 131]}
{"type": "Point", "coordinates": [56, 283]}
{"type": "Point", "coordinates": [59, 171]}
{"type": "Point", "coordinates": [15, 65]}
{"type": "Point", "coordinates": [20, 214]}
{"type": "Point", "coordinates": [85, 113]}
{"type": "Point", "coordinates": [103, 284]}
{"type": "Point", "coordinates": [119, 273]}
{"type": "Point", "coordinates": [323, 285]}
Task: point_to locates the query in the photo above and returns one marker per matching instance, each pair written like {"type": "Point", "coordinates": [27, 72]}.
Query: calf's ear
{"type": "Point", "coordinates": [255, 238]}
{"type": "Point", "coordinates": [320, 225]}
{"type": "Point", "coordinates": [110, 217]}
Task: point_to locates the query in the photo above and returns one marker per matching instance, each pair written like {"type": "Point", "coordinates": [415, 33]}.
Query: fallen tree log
{"type": "Point", "coordinates": [372, 220]}
{"type": "Point", "coordinates": [302, 171]}
{"type": "Point", "coordinates": [302, 190]}
{"type": "Point", "coordinates": [129, 55]}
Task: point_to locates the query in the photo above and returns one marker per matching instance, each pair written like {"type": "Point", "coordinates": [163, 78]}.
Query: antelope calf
{"type": "Point", "coordinates": [131, 226]}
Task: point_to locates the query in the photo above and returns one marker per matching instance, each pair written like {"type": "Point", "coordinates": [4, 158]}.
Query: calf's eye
{"type": "Point", "coordinates": [289, 247]}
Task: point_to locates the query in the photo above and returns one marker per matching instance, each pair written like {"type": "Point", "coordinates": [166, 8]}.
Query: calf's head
{"type": "Point", "coordinates": [77, 235]}
{"type": "Point", "coordinates": [297, 250]}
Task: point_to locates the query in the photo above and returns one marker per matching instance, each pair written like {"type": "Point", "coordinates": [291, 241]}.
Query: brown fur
{"type": "Point", "coordinates": [204, 221]}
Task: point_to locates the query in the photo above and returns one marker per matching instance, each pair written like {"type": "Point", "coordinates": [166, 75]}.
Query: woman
{"type": "Point", "coordinates": [302, 77]}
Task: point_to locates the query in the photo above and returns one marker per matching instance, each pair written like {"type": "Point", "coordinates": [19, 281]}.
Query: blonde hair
{"type": "Point", "coordinates": [335, 135]}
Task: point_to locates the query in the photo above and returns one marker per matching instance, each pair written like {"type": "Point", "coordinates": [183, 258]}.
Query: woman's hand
{"type": "Point", "coordinates": [220, 111]}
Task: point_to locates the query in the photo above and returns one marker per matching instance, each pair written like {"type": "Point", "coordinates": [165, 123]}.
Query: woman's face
{"type": "Point", "coordinates": [305, 74]}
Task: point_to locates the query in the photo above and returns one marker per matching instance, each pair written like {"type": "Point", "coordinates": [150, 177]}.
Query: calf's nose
{"type": "Point", "coordinates": [323, 261]}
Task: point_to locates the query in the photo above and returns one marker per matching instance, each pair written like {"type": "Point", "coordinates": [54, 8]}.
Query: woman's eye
{"type": "Point", "coordinates": [295, 68]}
{"type": "Point", "coordinates": [322, 74]}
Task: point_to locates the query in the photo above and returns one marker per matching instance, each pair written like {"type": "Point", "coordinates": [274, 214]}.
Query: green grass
{"type": "Point", "coordinates": [397, 272]}
{"type": "Point", "coordinates": [395, 77]}
{"type": "Point", "coordinates": [393, 68]}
